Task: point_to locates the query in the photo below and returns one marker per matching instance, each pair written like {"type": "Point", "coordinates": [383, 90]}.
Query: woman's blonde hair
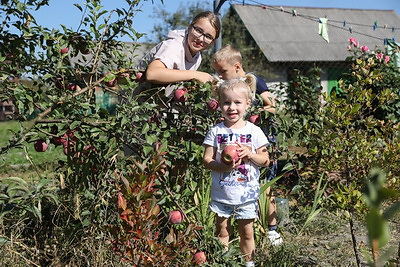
{"type": "Point", "coordinates": [212, 18]}
{"type": "Point", "coordinates": [248, 82]}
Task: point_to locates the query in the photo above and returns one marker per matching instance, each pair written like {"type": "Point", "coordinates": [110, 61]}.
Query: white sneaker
{"type": "Point", "coordinates": [275, 238]}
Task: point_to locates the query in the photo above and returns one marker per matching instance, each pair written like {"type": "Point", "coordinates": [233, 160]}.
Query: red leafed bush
{"type": "Point", "coordinates": [144, 236]}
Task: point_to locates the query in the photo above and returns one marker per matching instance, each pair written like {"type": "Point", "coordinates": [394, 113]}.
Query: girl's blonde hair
{"type": "Point", "coordinates": [248, 82]}
{"type": "Point", "coordinates": [212, 18]}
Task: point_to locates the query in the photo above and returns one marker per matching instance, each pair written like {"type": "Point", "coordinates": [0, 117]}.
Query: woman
{"type": "Point", "coordinates": [178, 57]}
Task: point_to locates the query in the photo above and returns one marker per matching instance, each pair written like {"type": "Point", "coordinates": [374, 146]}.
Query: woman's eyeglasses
{"type": "Point", "coordinates": [198, 32]}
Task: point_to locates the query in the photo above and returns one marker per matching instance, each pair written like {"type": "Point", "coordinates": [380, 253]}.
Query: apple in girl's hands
{"type": "Point", "coordinates": [230, 154]}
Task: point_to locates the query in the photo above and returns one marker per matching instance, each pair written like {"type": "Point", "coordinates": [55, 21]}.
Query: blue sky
{"type": "Point", "coordinates": [64, 12]}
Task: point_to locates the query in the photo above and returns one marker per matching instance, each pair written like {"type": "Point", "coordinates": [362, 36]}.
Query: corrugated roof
{"type": "Point", "coordinates": [286, 38]}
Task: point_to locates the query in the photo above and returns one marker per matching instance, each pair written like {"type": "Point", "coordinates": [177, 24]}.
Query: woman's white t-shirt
{"type": "Point", "coordinates": [241, 185]}
{"type": "Point", "coordinates": [173, 52]}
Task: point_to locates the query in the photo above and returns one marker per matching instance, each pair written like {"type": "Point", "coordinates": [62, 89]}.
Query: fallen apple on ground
{"type": "Point", "coordinates": [200, 257]}
{"type": "Point", "coordinates": [175, 216]}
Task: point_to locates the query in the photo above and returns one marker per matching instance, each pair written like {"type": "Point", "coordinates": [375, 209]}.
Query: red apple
{"type": "Point", "coordinates": [40, 145]}
{"type": "Point", "coordinates": [175, 216]}
{"type": "Point", "coordinates": [200, 258]}
{"type": "Point", "coordinates": [255, 119]}
{"type": "Point", "coordinates": [64, 50]}
{"type": "Point", "coordinates": [213, 104]}
{"type": "Point", "coordinates": [72, 86]}
{"type": "Point", "coordinates": [180, 95]}
{"type": "Point", "coordinates": [139, 77]}
{"type": "Point", "coordinates": [229, 154]}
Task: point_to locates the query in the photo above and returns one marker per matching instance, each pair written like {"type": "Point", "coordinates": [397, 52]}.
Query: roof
{"type": "Point", "coordinates": [284, 37]}
{"type": "Point", "coordinates": [133, 52]}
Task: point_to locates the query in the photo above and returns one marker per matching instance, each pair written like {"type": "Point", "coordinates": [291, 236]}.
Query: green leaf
{"type": "Point", "coordinates": [378, 227]}
{"type": "Point", "coordinates": [79, 7]}
{"type": "Point", "coordinates": [147, 149]}
{"type": "Point", "coordinates": [109, 77]}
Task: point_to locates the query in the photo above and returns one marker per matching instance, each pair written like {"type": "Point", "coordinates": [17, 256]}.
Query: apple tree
{"type": "Point", "coordinates": [121, 173]}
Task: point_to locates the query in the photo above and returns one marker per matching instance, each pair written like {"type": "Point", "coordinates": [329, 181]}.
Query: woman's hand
{"type": "Point", "coordinates": [203, 77]}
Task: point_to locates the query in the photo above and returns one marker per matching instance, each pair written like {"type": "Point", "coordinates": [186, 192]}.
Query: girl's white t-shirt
{"type": "Point", "coordinates": [241, 185]}
{"type": "Point", "coordinates": [173, 52]}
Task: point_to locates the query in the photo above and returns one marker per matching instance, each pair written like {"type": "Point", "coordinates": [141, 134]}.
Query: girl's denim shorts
{"type": "Point", "coordinates": [248, 210]}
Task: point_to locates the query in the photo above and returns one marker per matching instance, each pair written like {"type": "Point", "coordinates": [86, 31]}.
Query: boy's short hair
{"type": "Point", "coordinates": [229, 54]}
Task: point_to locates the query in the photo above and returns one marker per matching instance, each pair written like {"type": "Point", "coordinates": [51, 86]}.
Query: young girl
{"type": "Point", "coordinates": [227, 62]}
{"type": "Point", "coordinates": [178, 58]}
{"type": "Point", "coordinates": [235, 187]}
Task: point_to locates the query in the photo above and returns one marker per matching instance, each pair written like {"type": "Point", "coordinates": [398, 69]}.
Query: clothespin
{"type": "Point", "coordinates": [294, 12]}
{"type": "Point", "coordinates": [385, 26]}
{"type": "Point", "coordinates": [375, 24]}
{"type": "Point", "coordinates": [385, 41]}
{"type": "Point", "coordinates": [282, 9]}
{"type": "Point", "coordinates": [344, 23]}
{"type": "Point", "coordinates": [351, 29]}
{"type": "Point", "coordinates": [264, 7]}
{"type": "Point", "coordinates": [392, 29]}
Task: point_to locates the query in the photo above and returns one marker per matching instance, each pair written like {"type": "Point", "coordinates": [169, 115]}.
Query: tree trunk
{"type": "Point", "coordinates": [353, 238]}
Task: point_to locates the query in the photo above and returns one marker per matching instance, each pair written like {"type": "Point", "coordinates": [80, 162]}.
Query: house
{"type": "Point", "coordinates": [289, 36]}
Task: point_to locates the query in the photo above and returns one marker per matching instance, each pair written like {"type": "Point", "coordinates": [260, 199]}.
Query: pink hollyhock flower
{"type": "Point", "coordinates": [349, 47]}
{"type": "Point", "coordinates": [379, 56]}
{"type": "Point", "coordinates": [353, 41]}
{"type": "Point", "coordinates": [386, 60]}
{"type": "Point", "coordinates": [364, 48]}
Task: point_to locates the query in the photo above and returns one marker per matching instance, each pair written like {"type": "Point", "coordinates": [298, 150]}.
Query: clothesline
{"type": "Point", "coordinates": [330, 22]}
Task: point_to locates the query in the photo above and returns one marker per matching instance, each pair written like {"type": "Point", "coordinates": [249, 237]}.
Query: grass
{"type": "Point", "coordinates": [326, 241]}
{"type": "Point", "coordinates": [24, 161]}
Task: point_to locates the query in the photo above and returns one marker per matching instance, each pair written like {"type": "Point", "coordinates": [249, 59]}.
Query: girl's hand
{"type": "Point", "coordinates": [244, 152]}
